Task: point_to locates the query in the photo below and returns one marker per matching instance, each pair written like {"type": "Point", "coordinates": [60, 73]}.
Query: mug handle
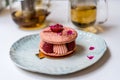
{"type": "Point", "coordinates": [102, 11]}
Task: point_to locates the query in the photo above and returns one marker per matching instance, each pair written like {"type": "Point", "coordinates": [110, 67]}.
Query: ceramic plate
{"type": "Point", "coordinates": [90, 48]}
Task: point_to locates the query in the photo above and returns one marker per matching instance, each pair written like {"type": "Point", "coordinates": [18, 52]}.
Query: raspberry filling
{"type": "Point", "coordinates": [70, 46]}
{"type": "Point", "coordinates": [48, 47]}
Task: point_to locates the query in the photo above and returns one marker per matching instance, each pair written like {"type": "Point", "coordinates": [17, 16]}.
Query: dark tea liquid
{"type": "Point", "coordinates": [83, 16]}
{"type": "Point", "coordinates": [33, 21]}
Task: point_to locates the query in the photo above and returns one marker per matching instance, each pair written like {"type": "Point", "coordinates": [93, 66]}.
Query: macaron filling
{"type": "Point", "coordinates": [58, 48]}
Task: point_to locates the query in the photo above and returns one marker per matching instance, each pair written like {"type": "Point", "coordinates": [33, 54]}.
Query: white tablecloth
{"type": "Point", "coordinates": [107, 68]}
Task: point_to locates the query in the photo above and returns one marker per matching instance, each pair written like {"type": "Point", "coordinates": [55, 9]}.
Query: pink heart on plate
{"type": "Point", "coordinates": [90, 57]}
{"type": "Point", "coordinates": [91, 48]}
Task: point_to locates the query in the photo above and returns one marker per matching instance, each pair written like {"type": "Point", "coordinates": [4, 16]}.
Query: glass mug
{"type": "Point", "coordinates": [86, 13]}
{"type": "Point", "coordinates": [29, 14]}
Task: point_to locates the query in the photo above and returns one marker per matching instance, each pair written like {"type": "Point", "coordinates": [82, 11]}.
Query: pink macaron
{"type": "Point", "coordinates": [57, 40]}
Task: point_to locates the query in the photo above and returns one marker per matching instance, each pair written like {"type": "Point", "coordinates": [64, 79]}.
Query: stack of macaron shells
{"type": "Point", "coordinates": [57, 40]}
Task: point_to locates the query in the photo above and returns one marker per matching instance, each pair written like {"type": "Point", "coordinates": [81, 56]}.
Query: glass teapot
{"type": "Point", "coordinates": [29, 14]}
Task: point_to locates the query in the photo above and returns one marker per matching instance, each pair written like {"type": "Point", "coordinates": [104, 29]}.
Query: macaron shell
{"type": "Point", "coordinates": [58, 38]}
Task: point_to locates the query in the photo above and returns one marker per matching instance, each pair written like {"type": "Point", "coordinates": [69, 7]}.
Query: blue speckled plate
{"type": "Point", "coordinates": [90, 48]}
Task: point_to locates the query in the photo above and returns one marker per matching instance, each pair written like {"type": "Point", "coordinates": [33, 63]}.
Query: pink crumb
{"type": "Point", "coordinates": [91, 48]}
{"type": "Point", "coordinates": [90, 57]}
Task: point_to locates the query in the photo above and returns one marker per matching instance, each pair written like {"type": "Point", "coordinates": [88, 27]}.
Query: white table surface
{"type": "Point", "coordinates": [107, 68]}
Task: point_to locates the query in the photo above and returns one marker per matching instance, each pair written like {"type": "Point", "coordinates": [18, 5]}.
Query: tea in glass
{"type": "Point", "coordinates": [83, 15]}
{"type": "Point", "coordinates": [29, 14]}
{"type": "Point", "coordinates": [86, 13]}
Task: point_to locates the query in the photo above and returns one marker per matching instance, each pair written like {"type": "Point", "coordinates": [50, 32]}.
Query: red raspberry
{"type": "Point", "coordinates": [71, 45]}
{"type": "Point", "coordinates": [47, 47]}
{"type": "Point", "coordinates": [56, 28]}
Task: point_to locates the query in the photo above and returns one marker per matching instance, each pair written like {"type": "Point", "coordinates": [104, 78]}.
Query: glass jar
{"type": "Point", "coordinates": [87, 13]}
{"type": "Point", "coordinates": [29, 14]}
